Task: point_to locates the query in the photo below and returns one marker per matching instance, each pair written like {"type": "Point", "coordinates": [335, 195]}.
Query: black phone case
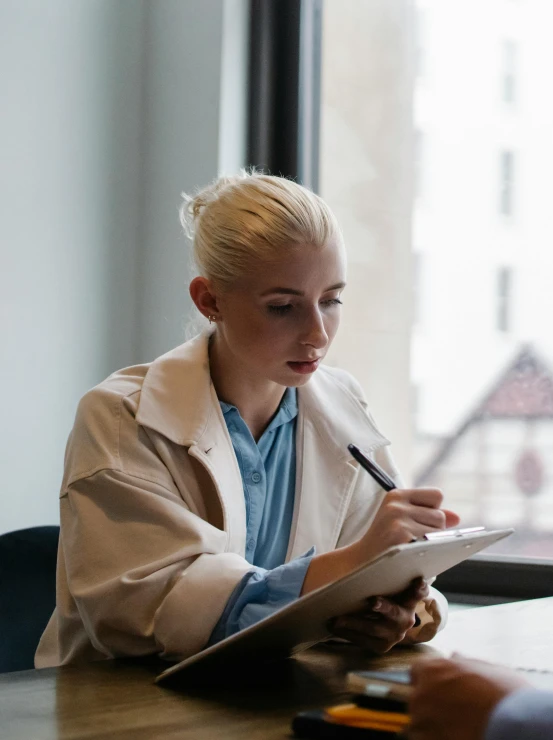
{"type": "Point", "coordinates": [314, 725]}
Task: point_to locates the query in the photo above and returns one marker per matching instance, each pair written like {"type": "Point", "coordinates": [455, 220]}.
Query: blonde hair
{"type": "Point", "coordinates": [250, 216]}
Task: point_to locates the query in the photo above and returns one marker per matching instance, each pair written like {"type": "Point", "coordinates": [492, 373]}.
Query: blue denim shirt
{"type": "Point", "coordinates": [268, 470]}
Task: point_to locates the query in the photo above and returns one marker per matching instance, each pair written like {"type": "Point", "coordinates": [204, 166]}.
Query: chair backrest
{"type": "Point", "coordinates": [27, 593]}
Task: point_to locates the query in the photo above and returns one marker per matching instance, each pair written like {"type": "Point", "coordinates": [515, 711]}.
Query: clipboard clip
{"type": "Point", "coordinates": [452, 533]}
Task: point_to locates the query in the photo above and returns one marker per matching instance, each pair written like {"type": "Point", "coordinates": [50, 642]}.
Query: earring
{"type": "Point", "coordinates": [211, 319]}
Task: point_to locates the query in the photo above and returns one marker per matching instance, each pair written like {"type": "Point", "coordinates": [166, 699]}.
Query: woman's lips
{"type": "Point", "coordinates": [304, 368]}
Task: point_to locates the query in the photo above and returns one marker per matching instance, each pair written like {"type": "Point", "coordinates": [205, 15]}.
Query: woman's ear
{"type": "Point", "coordinates": [204, 297]}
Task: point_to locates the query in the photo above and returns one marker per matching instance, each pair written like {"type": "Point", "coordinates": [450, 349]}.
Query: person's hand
{"type": "Point", "coordinates": [385, 620]}
{"type": "Point", "coordinates": [404, 515]}
{"type": "Point", "coordinates": [453, 699]}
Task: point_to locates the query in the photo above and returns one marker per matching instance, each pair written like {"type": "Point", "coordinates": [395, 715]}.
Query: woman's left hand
{"type": "Point", "coordinates": [385, 621]}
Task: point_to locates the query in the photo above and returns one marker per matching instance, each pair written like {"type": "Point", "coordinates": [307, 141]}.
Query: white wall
{"type": "Point", "coordinates": [110, 109]}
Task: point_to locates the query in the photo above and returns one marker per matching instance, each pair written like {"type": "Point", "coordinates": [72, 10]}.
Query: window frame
{"type": "Point", "coordinates": [284, 59]}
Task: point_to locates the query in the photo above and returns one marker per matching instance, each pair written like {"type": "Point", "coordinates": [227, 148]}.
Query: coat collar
{"type": "Point", "coordinates": [176, 398]}
{"type": "Point", "coordinates": [177, 401]}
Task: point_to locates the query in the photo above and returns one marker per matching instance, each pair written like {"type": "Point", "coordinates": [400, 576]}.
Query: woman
{"type": "Point", "coordinates": [213, 486]}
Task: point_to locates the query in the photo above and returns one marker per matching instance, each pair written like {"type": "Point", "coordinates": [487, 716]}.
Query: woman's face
{"type": "Point", "coordinates": [279, 322]}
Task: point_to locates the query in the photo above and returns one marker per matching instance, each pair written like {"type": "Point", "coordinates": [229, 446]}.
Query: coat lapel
{"type": "Point", "coordinates": [178, 401]}
{"type": "Point", "coordinates": [331, 417]}
{"type": "Point", "coordinates": [215, 451]}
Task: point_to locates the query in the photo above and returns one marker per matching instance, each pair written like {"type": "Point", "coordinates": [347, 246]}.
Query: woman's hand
{"type": "Point", "coordinates": [385, 620]}
{"type": "Point", "coordinates": [404, 515]}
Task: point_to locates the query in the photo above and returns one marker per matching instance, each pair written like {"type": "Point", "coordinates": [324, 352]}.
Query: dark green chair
{"type": "Point", "coordinates": [27, 593]}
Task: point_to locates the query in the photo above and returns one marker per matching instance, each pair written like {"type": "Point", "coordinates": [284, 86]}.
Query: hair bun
{"type": "Point", "coordinates": [193, 206]}
{"type": "Point", "coordinates": [251, 216]}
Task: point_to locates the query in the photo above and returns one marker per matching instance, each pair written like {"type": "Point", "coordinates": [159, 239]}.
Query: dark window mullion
{"type": "Point", "coordinates": [285, 41]}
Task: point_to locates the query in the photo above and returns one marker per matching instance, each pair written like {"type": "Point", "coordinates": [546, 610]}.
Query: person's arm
{"type": "Point", "coordinates": [455, 699]}
{"type": "Point", "coordinates": [410, 617]}
{"type": "Point", "coordinates": [146, 574]}
{"type": "Point", "coordinates": [260, 593]}
{"type": "Point", "coordinates": [403, 515]}
{"type": "Point", "coordinates": [431, 612]}
{"type": "Point", "coordinates": [526, 714]}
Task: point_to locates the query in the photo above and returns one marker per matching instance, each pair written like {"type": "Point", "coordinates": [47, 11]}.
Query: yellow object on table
{"type": "Point", "coordinates": [354, 716]}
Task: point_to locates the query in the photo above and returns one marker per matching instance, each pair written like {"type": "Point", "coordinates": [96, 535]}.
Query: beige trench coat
{"type": "Point", "coordinates": [153, 521]}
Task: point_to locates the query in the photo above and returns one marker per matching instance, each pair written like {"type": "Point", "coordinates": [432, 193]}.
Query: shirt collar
{"type": "Point", "coordinates": [287, 410]}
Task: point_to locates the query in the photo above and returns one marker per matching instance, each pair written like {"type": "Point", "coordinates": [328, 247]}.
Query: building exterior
{"type": "Point", "coordinates": [497, 465]}
{"type": "Point", "coordinates": [482, 235]}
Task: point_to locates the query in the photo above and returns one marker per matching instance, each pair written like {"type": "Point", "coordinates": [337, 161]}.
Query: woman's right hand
{"type": "Point", "coordinates": [404, 515]}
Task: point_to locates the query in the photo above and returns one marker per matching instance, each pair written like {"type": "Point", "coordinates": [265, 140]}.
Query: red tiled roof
{"type": "Point", "coordinates": [525, 390]}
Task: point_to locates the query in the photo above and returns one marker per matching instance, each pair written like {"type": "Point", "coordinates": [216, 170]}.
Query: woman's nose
{"type": "Point", "coordinates": [315, 334]}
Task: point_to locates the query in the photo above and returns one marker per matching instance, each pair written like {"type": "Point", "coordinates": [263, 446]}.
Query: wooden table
{"type": "Point", "coordinates": [117, 699]}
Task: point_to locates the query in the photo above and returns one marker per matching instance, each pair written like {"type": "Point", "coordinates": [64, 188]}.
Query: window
{"type": "Point", "coordinates": [503, 298]}
{"type": "Point", "coordinates": [420, 43]}
{"type": "Point", "coordinates": [418, 168]}
{"type": "Point", "coordinates": [480, 424]}
{"type": "Point", "coordinates": [417, 289]}
{"type": "Point", "coordinates": [468, 407]}
{"type": "Point", "coordinates": [508, 73]}
{"type": "Point", "coordinates": [506, 184]}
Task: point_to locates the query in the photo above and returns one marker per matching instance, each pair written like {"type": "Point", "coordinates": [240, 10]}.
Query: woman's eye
{"type": "Point", "coordinates": [281, 310]}
{"type": "Point", "coordinates": [332, 302]}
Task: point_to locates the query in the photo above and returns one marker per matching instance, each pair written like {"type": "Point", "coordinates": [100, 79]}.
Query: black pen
{"type": "Point", "coordinates": [379, 475]}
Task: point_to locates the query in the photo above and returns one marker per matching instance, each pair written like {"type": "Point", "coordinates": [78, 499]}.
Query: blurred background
{"type": "Point", "coordinates": [426, 125]}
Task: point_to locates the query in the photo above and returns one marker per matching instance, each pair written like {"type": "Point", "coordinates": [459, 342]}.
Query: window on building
{"type": "Point", "coordinates": [417, 288]}
{"type": "Point", "coordinates": [506, 182]}
{"type": "Point", "coordinates": [508, 71]}
{"type": "Point", "coordinates": [504, 280]}
{"type": "Point", "coordinates": [418, 156]}
{"type": "Point", "coordinates": [420, 43]}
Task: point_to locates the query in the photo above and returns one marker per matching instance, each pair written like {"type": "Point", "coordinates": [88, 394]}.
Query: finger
{"type": "Point", "coordinates": [393, 625]}
{"type": "Point", "coordinates": [397, 614]}
{"type": "Point", "coordinates": [431, 518]}
{"type": "Point", "coordinates": [431, 497]}
{"type": "Point", "coordinates": [417, 590]}
{"type": "Point", "coordinates": [451, 518]}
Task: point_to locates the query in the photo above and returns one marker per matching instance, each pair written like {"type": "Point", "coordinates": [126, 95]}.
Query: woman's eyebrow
{"type": "Point", "coordinates": [291, 291]}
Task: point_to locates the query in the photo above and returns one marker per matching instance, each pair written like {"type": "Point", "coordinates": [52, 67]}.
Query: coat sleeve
{"type": "Point", "coordinates": [431, 612]}
{"type": "Point", "coordinates": [524, 715]}
{"type": "Point", "coordinates": [146, 574]}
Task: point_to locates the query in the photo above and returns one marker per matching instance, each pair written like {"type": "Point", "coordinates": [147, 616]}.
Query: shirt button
{"type": "Point", "coordinates": [256, 477]}
{"type": "Point", "coordinates": [251, 544]}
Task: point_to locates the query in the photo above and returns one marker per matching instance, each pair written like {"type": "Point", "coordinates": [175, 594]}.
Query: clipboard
{"type": "Point", "coordinates": [303, 623]}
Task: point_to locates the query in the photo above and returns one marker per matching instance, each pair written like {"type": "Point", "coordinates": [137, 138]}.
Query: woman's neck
{"type": "Point", "coordinates": [256, 399]}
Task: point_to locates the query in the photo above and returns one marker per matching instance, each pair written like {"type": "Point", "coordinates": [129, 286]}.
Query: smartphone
{"type": "Point", "coordinates": [394, 685]}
